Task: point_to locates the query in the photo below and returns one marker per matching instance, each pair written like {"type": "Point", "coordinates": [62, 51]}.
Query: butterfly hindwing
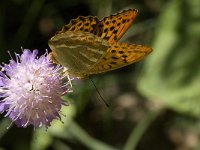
{"type": "Point", "coordinates": [113, 27]}
{"type": "Point", "coordinates": [119, 55]}
{"type": "Point", "coordinates": [82, 23]}
{"type": "Point", "coordinates": [77, 50]}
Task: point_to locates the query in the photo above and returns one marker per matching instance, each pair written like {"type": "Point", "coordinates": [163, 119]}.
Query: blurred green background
{"type": "Point", "coordinates": [154, 103]}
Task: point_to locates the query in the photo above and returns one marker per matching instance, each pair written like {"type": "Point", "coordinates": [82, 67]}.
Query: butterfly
{"type": "Point", "coordinates": [88, 46]}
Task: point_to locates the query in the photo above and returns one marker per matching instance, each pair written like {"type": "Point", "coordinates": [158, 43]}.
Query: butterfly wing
{"type": "Point", "coordinates": [113, 27]}
{"type": "Point", "coordinates": [88, 46]}
{"type": "Point", "coordinates": [120, 55]}
{"type": "Point", "coordinates": [82, 23]}
{"type": "Point", "coordinates": [77, 51]}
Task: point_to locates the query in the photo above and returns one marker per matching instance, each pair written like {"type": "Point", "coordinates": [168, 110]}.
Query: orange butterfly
{"type": "Point", "coordinates": [88, 46]}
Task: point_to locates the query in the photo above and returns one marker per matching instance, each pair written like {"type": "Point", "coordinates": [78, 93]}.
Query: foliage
{"type": "Point", "coordinates": [153, 103]}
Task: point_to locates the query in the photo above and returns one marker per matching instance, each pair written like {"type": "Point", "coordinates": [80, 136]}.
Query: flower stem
{"type": "Point", "coordinates": [5, 123]}
{"type": "Point", "coordinates": [139, 130]}
{"type": "Point", "coordinates": [86, 139]}
{"type": "Point", "coordinates": [28, 21]}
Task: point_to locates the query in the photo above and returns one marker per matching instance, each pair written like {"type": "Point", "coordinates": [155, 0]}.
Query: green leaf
{"type": "Point", "coordinates": [171, 73]}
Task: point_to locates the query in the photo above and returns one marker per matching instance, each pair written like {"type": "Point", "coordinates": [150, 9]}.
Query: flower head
{"type": "Point", "coordinates": [31, 89]}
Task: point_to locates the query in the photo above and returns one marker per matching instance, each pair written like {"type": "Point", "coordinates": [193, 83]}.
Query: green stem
{"type": "Point", "coordinates": [2, 25]}
{"type": "Point", "coordinates": [139, 130]}
{"type": "Point", "coordinates": [28, 22]}
{"type": "Point", "coordinates": [86, 139]}
{"type": "Point", "coordinates": [5, 123]}
{"type": "Point", "coordinates": [58, 145]}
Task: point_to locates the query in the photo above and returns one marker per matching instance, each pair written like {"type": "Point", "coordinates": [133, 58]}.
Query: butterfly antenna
{"type": "Point", "coordinates": [107, 105]}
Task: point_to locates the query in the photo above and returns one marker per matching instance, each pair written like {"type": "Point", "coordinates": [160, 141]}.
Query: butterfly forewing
{"type": "Point", "coordinates": [113, 27]}
{"type": "Point", "coordinates": [119, 55]}
{"type": "Point", "coordinates": [82, 23]}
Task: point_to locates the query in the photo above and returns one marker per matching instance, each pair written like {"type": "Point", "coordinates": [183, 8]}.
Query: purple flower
{"type": "Point", "coordinates": [31, 89]}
